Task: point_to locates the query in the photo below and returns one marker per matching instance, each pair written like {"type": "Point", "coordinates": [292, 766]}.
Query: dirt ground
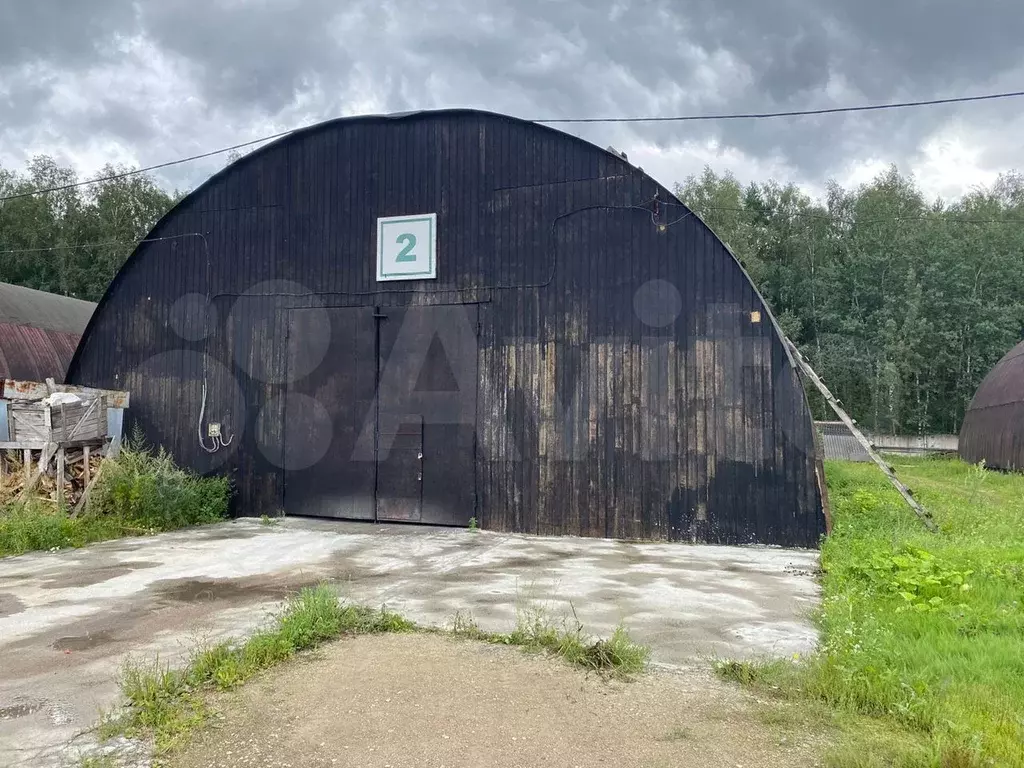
{"type": "Point", "coordinates": [425, 700]}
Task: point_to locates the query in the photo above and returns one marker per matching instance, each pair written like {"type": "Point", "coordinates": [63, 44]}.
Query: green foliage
{"type": "Point", "coordinates": [743, 672]}
{"type": "Point", "coordinates": [98, 761]}
{"type": "Point", "coordinates": [473, 526]}
{"type": "Point", "coordinates": [137, 493]}
{"type": "Point", "coordinates": [29, 526]}
{"type": "Point", "coordinates": [536, 631]}
{"type": "Point", "coordinates": [149, 490]}
{"type": "Point", "coordinates": [108, 217]}
{"type": "Point", "coordinates": [901, 305]}
{"type": "Point", "coordinates": [921, 661]}
{"type": "Point", "coordinates": [916, 576]}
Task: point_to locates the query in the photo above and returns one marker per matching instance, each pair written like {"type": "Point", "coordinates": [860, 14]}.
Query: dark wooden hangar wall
{"type": "Point", "coordinates": [993, 427]}
{"type": "Point", "coordinates": [593, 417]}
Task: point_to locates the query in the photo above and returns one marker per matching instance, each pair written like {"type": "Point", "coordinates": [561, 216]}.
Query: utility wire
{"type": "Point", "coordinates": [792, 113]}
{"type": "Point", "coordinates": [137, 171]}
{"type": "Point", "coordinates": [676, 118]}
{"type": "Point", "coordinates": [107, 243]}
{"type": "Point", "coordinates": [892, 219]}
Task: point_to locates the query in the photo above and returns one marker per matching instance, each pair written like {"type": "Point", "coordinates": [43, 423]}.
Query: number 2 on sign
{"type": "Point", "coordinates": [406, 255]}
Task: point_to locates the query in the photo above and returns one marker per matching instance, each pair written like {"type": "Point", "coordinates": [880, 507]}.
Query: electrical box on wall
{"type": "Point", "coordinates": [407, 247]}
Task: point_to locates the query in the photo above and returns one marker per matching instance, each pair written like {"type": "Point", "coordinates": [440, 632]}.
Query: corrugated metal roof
{"type": "Point", "coordinates": [38, 309]}
{"type": "Point", "coordinates": [39, 332]}
{"type": "Point", "coordinates": [993, 427]}
{"type": "Point", "coordinates": [837, 442]}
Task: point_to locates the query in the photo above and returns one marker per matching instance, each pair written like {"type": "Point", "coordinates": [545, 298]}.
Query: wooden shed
{"type": "Point", "coordinates": [438, 316]}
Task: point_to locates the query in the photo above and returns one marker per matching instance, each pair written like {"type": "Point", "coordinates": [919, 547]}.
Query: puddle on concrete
{"type": "Point", "coordinates": [87, 576]}
{"type": "Point", "coordinates": [223, 533]}
{"type": "Point", "coordinates": [10, 604]}
{"type": "Point", "coordinates": [209, 590]}
{"type": "Point", "coordinates": [21, 709]}
{"type": "Point", "coordinates": [84, 642]}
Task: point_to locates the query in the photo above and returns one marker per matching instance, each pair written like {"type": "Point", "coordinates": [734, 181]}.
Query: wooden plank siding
{"type": "Point", "coordinates": [601, 410]}
{"type": "Point", "coordinates": [993, 426]}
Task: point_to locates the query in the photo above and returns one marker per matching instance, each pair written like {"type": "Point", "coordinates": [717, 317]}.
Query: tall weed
{"type": "Point", "coordinates": [141, 491]}
{"type": "Point", "coordinates": [149, 490]}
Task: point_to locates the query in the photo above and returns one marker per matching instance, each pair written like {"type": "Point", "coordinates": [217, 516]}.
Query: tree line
{"type": "Point", "coordinates": [73, 241]}
{"type": "Point", "coordinates": [902, 305]}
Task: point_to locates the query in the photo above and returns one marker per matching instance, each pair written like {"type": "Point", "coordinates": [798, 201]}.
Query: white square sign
{"type": "Point", "coordinates": [407, 247]}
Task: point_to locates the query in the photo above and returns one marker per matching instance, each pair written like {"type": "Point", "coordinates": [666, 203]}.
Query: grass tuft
{"type": "Point", "coordinates": [98, 761]}
{"type": "Point", "coordinates": [535, 631]}
{"type": "Point", "coordinates": [743, 672]}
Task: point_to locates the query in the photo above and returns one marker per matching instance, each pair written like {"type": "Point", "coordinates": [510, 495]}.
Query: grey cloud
{"type": "Point", "coordinates": [66, 33]}
{"type": "Point", "coordinates": [253, 61]}
{"type": "Point", "coordinates": [256, 55]}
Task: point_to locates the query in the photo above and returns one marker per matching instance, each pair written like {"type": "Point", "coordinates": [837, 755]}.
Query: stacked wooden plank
{"type": "Point", "coordinates": [53, 439]}
{"type": "Point", "coordinates": [81, 465]}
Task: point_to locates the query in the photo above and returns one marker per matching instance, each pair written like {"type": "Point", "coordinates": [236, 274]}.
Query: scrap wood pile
{"type": "Point", "coordinates": [53, 439]}
{"type": "Point", "coordinates": [15, 481]}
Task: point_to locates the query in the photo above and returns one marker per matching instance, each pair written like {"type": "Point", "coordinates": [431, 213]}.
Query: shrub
{"type": "Point", "coordinates": [138, 492]}
{"type": "Point", "coordinates": [150, 491]}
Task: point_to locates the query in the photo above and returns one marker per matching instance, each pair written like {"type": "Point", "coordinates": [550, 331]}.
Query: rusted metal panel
{"type": "Point", "coordinates": [39, 332]}
{"type": "Point", "coordinates": [993, 427]}
{"type": "Point", "coordinates": [630, 381]}
{"type": "Point", "coordinates": [34, 353]}
{"type": "Point", "coordinates": [838, 442]}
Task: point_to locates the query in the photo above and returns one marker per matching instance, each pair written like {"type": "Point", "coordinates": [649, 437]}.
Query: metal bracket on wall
{"type": "Point", "coordinates": [905, 492]}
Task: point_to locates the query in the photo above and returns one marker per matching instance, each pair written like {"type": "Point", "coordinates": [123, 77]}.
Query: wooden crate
{"type": "Point", "coordinates": [52, 449]}
{"type": "Point", "coordinates": [30, 423]}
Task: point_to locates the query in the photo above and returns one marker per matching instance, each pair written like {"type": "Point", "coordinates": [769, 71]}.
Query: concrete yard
{"type": "Point", "coordinates": [68, 619]}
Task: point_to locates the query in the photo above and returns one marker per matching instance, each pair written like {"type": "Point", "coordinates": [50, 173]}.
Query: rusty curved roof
{"type": "Point", "coordinates": [39, 332]}
{"type": "Point", "coordinates": [993, 427]}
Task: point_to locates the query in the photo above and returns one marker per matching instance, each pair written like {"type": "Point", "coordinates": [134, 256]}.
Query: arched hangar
{"type": "Point", "coordinates": [993, 427]}
{"type": "Point", "coordinates": [439, 316]}
{"type": "Point", "coordinates": [38, 332]}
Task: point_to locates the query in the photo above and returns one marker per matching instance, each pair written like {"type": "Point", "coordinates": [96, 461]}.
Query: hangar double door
{"type": "Point", "coordinates": [398, 386]}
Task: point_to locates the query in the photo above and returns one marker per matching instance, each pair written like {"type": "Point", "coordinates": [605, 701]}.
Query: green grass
{"type": "Point", "coordinates": [536, 631]}
{"type": "Point", "coordinates": [26, 527]}
{"type": "Point", "coordinates": [167, 705]}
{"type": "Point", "coordinates": [140, 492]}
{"type": "Point", "coordinates": [922, 655]}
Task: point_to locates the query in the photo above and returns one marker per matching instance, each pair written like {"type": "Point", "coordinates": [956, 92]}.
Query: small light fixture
{"type": "Point", "coordinates": [662, 227]}
{"type": "Point", "coordinates": [755, 316]}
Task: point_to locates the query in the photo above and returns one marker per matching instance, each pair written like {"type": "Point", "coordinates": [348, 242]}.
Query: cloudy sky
{"type": "Point", "coordinates": [148, 81]}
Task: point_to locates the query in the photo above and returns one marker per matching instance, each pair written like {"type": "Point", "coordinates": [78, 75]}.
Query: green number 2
{"type": "Point", "coordinates": [406, 255]}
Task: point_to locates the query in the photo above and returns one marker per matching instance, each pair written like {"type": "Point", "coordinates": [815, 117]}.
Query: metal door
{"type": "Point", "coordinates": [426, 419]}
{"type": "Point", "coordinates": [332, 370]}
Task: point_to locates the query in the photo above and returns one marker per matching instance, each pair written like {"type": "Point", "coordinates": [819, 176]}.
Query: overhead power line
{"type": "Point", "coordinates": [890, 219]}
{"type": "Point", "coordinates": [667, 119]}
{"type": "Point", "coordinates": [791, 113]}
{"type": "Point", "coordinates": [147, 169]}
